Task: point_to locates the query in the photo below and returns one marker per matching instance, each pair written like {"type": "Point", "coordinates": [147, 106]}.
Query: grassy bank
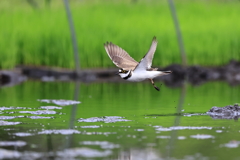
{"type": "Point", "coordinates": [40, 36]}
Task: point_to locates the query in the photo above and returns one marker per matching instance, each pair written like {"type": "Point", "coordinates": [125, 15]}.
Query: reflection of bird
{"type": "Point", "coordinates": [130, 69]}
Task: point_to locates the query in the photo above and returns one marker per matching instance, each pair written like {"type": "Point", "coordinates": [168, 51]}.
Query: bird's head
{"type": "Point", "coordinates": [124, 73]}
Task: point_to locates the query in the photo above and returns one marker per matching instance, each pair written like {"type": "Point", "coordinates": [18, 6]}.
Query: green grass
{"type": "Point", "coordinates": [210, 29]}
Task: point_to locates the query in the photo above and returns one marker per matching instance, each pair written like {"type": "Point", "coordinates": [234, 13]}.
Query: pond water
{"type": "Point", "coordinates": [117, 121]}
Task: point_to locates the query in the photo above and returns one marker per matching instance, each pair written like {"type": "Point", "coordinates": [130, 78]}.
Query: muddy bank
{"type": "Point", "coordinates": [193, 74]}
{"type": "Point", "coordinates": [10, 78]}
{"type": "Point", "coordinates": [197, 75]}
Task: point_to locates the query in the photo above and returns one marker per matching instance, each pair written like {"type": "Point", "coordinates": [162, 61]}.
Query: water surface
{"type": "Point", "coordinates": [62, 120]}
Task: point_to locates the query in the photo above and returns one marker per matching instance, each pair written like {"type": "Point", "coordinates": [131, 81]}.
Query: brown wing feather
{"type": "Point", "coordinates": [120, 57]}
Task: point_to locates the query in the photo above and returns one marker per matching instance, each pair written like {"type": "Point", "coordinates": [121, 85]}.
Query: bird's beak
{"type": "Point", "coordinates": [116, 73]}
{"type": "Point", "coordinates": [167, 72]}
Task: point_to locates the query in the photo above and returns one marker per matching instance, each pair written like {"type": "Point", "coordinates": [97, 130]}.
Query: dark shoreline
{"type": "Point", "coordinates": [195, 75]}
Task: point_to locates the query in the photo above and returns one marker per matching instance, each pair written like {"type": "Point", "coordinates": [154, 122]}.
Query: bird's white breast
{"type": "Point", "coordinates": [140, 76]}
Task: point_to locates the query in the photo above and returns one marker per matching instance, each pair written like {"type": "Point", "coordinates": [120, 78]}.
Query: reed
{"type": "Point", "coordinates": [210, 29]}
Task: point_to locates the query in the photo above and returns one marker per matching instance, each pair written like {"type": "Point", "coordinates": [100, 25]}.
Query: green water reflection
{"type": "Point", "coordinates": [146, 136]}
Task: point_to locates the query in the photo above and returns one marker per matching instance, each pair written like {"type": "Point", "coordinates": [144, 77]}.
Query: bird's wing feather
{"type": "Point", "coordinates": [120, 57]}
{"type": "Point", "coordinates": [146, 61]}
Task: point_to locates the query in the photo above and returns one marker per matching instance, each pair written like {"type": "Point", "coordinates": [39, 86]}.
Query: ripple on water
{"type": "Point", "coordinates": [22, 134]}
{"type": "Point", "coordinates": [39, 112]}
{"type": "Point", "coordinates": [83, 152]}
{"type": "Point", "coordinates": [181, 137]}
{"type": "Point", "coordinates": [194, 114]}
{"type": "Point", "coordinates": [7, 117]}
{"type": "Point", "coordinates": [39, 117]}
{"type": "Point", "coordinates": [202, 136]}
{"type": "Point", "coordinates": [102, 144]}
{"type": "Point", "coordinates": [12, 143]}
{"type": "Point", "coordinates": [164, 137]}
{"type": "Point", "coordinates": [99, 133]}
{"type": "Point", "coordinates": [71, 153]}
{"type": "Point", "coordinates": [60, 131]}
{"type": "Point", "coordinates": [219, 131]}
{"type": "Point", "coordinates": [160, 128]}
{"type": "Point", "coordinates": [106, 119]}
{"type": "Point", "coordinates": [11, 108]}
{"type": "Point", "coordinates": [6, 123]}
{"type": "Point", "coordinates": [60, 102]}
{"type": "Point", "coordinates": [232, 144]}
{"type": "Point", "coordinates": [9, 154]}
{"type": "Point", "coordinates": [93, 126]}
{"type": "Point", "coordinates": [50, 107]}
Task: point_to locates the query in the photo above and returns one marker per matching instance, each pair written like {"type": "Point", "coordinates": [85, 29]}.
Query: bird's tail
{"type": "Point", "coordinates": [165, 72]}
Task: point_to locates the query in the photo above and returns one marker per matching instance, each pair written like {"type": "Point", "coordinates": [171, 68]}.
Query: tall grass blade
{"type": "Point", "coordinates": [178, 32]}
{"type": "Point", "coordinates": [73, 37]}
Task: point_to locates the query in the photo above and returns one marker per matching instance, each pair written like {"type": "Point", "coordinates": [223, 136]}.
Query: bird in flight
{"type": "Point", "coordinates": [132, 70]}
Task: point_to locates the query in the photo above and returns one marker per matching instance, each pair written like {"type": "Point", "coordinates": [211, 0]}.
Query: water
{"type": "Point", "coordinates": [116, 121]}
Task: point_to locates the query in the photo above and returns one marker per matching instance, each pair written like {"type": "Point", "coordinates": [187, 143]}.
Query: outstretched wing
{"type": "Point", "coordinates": [120, 57]}
{"type": "Point", "coordinates": [146, 61]}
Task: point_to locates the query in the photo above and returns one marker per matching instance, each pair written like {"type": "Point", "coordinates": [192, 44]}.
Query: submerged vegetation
{"type": "Point", "coordinates": [40, 35]}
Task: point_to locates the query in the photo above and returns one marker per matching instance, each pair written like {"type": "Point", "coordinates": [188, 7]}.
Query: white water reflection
{"type": "Point", "coordinates": [39, 117]}
{"type": "Point", "coordinates": [39, 112]}
{"type": "Point", "coordinates": [13, 143]}
{"type": "Point", "coordinates": [7, 117]}
{"type": "Point", "coordinates": [12, 107]}
{"type": "Point", "coordinates": [98, 133]}
{"type": "Point", "coordinates": [60, 131]}
{"type": "Point", "coordinates": [6, 123]}
{"type": "Point", "coordinates": [232, 144]}
{"type": "Point", "coordinates": [27, 155]}
{"type": "Point", "coordinates": [219, 131]}
{"type": "Point", "coordinates": [83, 152]}
{"type": "Point", "coordinates": [60, 102]}
{"type": "Point", "coordinates": [102, 144]}
{"type": "Point", "coordinates": [140, 154]}
{"type": "Point", "coordinates": [160, 128]}
{"type": "Point", "coordinates": [181, 137]}
{"type": "Point", "coordinates": [93, 126]}
{"type": "Point", "coordinates": [164, 137]}
{"type": "Point", "coordinates": [202, 136]}
{"type": "Point", "coordinates": [50, 107]}
{"type": "Point", "coordinates": [22, 134]}
{"type": "Point", "coordinates": [106, 119]}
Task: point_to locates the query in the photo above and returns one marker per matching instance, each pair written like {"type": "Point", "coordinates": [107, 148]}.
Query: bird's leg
{"type": "Point", "coordinates": [154, 85]}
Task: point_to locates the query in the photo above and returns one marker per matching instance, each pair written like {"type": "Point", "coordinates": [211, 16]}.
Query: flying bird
{"type": "Point", "coordinates": [130, 69]}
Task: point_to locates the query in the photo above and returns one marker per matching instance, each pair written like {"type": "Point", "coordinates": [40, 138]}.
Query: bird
{"type": "Point", "coordinates": [130, 69]}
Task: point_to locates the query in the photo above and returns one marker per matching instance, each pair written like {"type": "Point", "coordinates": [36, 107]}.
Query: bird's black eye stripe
{"type": "Point", "coordinates": [122, 71]}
